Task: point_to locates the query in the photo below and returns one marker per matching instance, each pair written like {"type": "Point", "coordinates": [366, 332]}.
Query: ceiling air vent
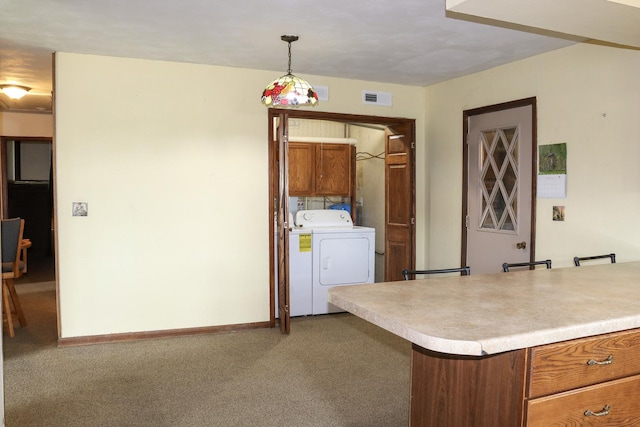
{"type": "Point", "coordinates": [376, 98]}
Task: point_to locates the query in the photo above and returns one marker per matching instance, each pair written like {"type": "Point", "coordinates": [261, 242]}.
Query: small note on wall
{"type": "Point", "coordinates": [552, 186]}
{"type": "Point", "coordinates": [552, 171]}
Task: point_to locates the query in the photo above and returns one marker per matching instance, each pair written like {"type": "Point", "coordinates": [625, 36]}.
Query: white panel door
{"type": "Point", "coordinates": [499, 217]}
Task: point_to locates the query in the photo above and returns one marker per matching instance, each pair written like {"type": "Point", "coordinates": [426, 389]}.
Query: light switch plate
{"type": "Point", "coordinates": [80, 208]}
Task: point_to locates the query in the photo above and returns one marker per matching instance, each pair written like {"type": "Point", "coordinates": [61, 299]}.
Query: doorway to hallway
{"type": "Point", "coordinates": [27, 193]}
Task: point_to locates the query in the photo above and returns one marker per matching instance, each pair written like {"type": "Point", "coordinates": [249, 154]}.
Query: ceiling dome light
{"type": "Point", "coordinates": [289, 90]}
{"type": "Point", "coordinates": [15, 91]}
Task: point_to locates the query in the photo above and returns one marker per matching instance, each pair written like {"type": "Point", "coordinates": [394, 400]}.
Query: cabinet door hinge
{"type": "Point", "coordinates": [466, 221]}
{"type": "Point", "coordinates": [413, 145]}
{"type": "Point", "coordinates": [413, 221]}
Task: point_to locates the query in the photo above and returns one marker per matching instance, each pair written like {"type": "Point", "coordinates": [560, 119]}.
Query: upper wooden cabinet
{"type": "Point", "coordinates": [321, 169]}
{"type": "Point", "coordinates": [302, 174]}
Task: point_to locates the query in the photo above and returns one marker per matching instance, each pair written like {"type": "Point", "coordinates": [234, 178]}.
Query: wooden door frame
{"type": "Point", "coordinates": [274, 173]}
{"type": "Point", "coordinates": [3, 162]}
{"type": "Point", "coordinates": [466, 115]}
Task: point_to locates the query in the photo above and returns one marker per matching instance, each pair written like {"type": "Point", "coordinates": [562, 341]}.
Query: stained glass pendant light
{"type": "Point", "coordinates": [289, 90]}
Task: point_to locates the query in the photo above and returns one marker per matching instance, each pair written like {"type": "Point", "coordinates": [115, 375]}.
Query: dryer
{"type": "Point", "coordinates": [341, 254]}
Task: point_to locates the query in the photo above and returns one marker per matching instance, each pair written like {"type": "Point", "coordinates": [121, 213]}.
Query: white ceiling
{"type": "Point", "coordinates": [409, 42]}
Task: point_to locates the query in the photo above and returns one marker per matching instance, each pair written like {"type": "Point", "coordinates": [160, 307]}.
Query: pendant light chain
{"type": "Point", "coordinates": [289, 90]}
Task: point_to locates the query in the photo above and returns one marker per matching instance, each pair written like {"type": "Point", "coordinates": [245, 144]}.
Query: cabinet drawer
{"type": "Point", "coordinates": [566, 365]}
{"type": "Point", "coordinates": [620, 397]}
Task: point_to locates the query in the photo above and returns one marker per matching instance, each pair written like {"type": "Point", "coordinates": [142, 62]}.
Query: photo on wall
{"type": "Point", "coordinates": [558, 213]}
{"type": "Point", "coordinates": [552, 171]}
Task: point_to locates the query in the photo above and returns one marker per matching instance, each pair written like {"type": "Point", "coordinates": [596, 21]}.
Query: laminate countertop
{"type": "Point", "coordinates": [493, 313]}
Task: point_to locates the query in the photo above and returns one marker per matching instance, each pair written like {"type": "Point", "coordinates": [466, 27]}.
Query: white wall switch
{"type": "Point", "coordinates": [80, 208]}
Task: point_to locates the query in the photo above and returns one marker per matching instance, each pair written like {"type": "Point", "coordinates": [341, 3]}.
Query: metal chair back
{"type": "Point", "coordinates": [506, 266]}
{"type": "Point", "coordinates": [577, 260]}
{"type": "Point", "coordinates": [464, 271]}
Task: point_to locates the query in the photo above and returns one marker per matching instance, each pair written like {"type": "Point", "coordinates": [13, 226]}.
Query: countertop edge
{"type": "Point", "coordinates": [485, 344]}
{"type": "Point", "coordinates": [441, 345]}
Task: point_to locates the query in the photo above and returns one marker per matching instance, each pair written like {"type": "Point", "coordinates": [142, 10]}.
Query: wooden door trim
{"type": "Point", "coordinates": [339, 117]}
{"type": "Point", "coordinates": [3, 161]}
{"type": "Point", "coordinates": [390, 122]}
{"type": "Point", "coordinates": [466, 115]}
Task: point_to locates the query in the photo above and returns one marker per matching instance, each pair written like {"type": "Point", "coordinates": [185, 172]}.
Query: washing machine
{"type": "Point", "coordinates": [300, 272]}
{"type": "Point", "coordinates": [300, 265]}
{"type": "Point", "coordinates": [341, 254]}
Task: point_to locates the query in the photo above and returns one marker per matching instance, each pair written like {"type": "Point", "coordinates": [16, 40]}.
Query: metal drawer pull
{"type": "Point", "coordinates": [607, 361]}
{"type": "Point", "coordinates": [605, 411]}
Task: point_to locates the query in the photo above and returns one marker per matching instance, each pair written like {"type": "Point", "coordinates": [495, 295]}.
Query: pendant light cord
{"type": "Point", "coordinates": [289, 69]}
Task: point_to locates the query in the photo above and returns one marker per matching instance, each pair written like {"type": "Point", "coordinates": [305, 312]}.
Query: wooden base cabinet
{"type": "Point", "coordinates": [588, 381]}
{"type": "Point", "coordinates": [592, 381]}
{"type": "Point", "coordinates": [613, 403]}
{"type": "Point", "coordinates": [449, 390]}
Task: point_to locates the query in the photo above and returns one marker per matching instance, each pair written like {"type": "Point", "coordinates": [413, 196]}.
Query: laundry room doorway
{"type": "Point", "coordinates": [378, 192]}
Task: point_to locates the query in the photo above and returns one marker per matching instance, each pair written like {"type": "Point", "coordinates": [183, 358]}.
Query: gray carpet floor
{"type": "Point", "coordinates": [332, 370]}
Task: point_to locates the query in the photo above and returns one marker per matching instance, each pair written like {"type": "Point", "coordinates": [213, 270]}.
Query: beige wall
{"type": "Point", "coordinates": [175, 175]}
{"type": "Point", "coordinates": [172, 160]}
{"type": "Point", "coordinates": [370, 187]}
{"type": "Point", "coordinates": [587, 96]}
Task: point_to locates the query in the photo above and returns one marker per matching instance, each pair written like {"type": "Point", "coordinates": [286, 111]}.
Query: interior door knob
{"type": "Point", "coordinates": [521, 245]}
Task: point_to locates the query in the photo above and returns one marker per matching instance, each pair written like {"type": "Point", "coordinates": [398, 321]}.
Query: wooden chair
{"type": "Point", "coordinates": [576, 260]}
{"type": "Point", "coordinates": [464, 271]}
{"type": "Point", "coordinates": [12, 266]}
{"type": "Point", "coordinates": [531, 265]}
{"type": "Point", "coordinates": [26, 244]}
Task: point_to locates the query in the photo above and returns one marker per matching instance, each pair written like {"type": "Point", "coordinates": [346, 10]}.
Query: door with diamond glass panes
{"type": "Point", "coordinates": [499, 218]}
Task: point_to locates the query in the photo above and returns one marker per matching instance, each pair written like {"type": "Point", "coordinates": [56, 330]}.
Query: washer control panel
{"type": "Point", "coordinates": [323, 218]}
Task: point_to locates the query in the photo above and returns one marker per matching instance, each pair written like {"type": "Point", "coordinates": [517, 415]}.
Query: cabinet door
{"type": "Point", "coordinates": [613, 404]}
{"type": "Point", "coordinates": [585, 361]}
{"type": "Point", "coordinates": [302, 172]}
{"type": "Point", "coordinates": [333, 170]}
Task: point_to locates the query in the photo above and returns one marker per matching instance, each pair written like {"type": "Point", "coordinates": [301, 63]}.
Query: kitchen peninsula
{"type": "Point", "coordinates": [526, 348]}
